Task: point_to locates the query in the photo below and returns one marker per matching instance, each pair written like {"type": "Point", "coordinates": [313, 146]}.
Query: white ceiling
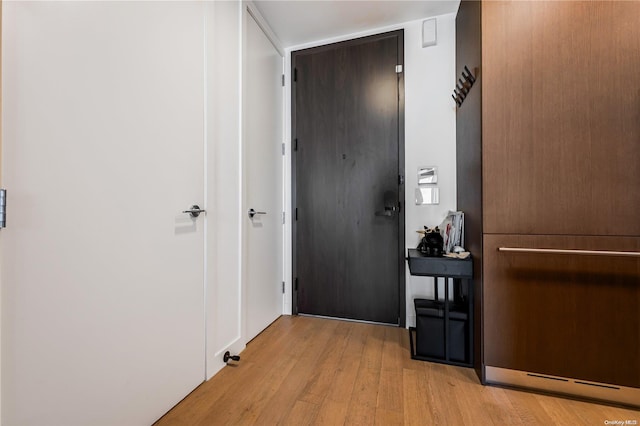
{"type": "Point", "coordinates": [297, 22]}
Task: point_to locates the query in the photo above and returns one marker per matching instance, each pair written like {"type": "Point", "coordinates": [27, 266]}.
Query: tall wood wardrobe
{"type": "Point", "coordinates": [548, 156]}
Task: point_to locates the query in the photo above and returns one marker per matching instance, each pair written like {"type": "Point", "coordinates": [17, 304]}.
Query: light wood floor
{"type": "Point", "coordinates": [312, 371]}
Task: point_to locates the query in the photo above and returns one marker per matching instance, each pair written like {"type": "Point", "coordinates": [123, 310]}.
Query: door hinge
{"type": "Point", "coordinates": [283, 149]}
{"type": "Point", "coordinates": [398, 69]}
{"type": "Point", "coordinates": [400, 180]}
{"type": "Point", "coordinates": [282, 287]}
{"type": "Point", "coordinates": [283, 217]}
{"type": "Point", "coordinates": [296, 283]}
{"type": "Point", "coordinates": [296, 213]}
{"type": "Point", "coordinates": [295, 144]}
{"type": "Point", "coordinates": [295, 74]}
{"type": "Point", "coordinates": [282, 80]}
{"type": "Point", "coordinates": [3, 208]}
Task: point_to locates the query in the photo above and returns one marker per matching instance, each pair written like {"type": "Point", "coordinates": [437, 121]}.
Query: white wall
{"type": "Point", "coordinates": [430, 134]}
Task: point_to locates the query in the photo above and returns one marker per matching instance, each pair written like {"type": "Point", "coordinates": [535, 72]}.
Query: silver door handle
{"type": "Point", "coordinates": [252, 213]}
{"type": "Point", "coordinates": [570, 251]}
{"type": "Point", "coordinates": [195, 210]}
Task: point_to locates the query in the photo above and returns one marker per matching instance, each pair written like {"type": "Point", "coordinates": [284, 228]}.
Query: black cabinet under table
{"type": "Point", "coordinates": [444, 328]}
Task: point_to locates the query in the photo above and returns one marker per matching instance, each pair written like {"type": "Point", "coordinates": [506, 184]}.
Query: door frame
{"type": "Point", "coordinates": [1, 6]}
{"type": "Point", "coordinates": [249, 11]}
{"type": "Point", "coordinates": [401, 166]}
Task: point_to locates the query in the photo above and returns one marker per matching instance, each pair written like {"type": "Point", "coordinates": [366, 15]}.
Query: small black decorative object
{"type": "Point", "coordinates": [432, 242]}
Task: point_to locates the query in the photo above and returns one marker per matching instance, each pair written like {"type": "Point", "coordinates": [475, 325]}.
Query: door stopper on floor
{"type": "Point", "coordinates": [227, 356]}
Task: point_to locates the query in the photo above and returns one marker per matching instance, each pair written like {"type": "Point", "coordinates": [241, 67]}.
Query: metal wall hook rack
{"type": "Point", "coordinates": [464, 85]}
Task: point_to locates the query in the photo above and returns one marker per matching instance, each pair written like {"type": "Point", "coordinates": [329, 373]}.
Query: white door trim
{"type": "Point", "coordinates": [224, 134]}
{"type": "Point", "coordinates": [251, 12]}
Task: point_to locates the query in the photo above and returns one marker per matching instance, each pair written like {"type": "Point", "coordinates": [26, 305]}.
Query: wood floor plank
{"type": "Point", "coordinates": [441, 394]}
{"type": "Point", "coordinates": [284, 398]}
{"type": "Point", "coordinates": [394, 355]}
{"type": "Point", "coordinates": [529, 409]}
{"type": "Point", "coordinates": [388, 417]}
{"type": "Point", "coordinates": [372, 351]}
{"type": "Point", "coordinates": [360, 415]}
{"type": "Point", "coordinates": [195, 407]}
{"type": "Point", "coordinates": [270, 369]}
{"type": "Point", "coordinates": [403, 350]}
{"type": "Point", "coordinates": [303, 413]}
{"type": "Point", "coordinates": [417, 408]}
{"type": "Point", "coordinates": [591, 413]}
{"type": "Point", "coordinates": [255, 398]}
{"type": "Point", "coordinates": [362, 407]}
{"type": "Point", "coordinates": [332, 413]}
{"type": "Point", "coordinates": [221, 395]}
{"type": "Point", "coordinates": [349, 365]}
{"type": "Point", "coordinates": [555, 410]}
{"type": "Point", "coordinates": [323, 377]}
{"type": "Point", "coordinates": [473, 409]}
{"type": "Point", "coordinates": [501, 410]}
{"type": "Point", "coordinates": [390, 392]}
{"type": "Point", "coordinates": [303, 371]}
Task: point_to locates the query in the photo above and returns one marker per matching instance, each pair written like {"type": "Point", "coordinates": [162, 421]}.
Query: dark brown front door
{"type": "Point", "coordinates": [348, 162]}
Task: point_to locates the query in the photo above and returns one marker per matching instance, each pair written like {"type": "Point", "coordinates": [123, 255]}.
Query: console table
{"type": "Point", "coordinates": [436, 340]}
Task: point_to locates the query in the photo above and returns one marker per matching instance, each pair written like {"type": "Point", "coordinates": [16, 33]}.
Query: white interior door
{"type": "Point", "coordinates": [102, 275]}
{"type": "Point", "coordinates": [263, 180]}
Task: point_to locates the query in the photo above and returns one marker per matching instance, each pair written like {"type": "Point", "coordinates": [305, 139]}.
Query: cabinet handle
{"type": "Point", "coordinates": [570, 251]}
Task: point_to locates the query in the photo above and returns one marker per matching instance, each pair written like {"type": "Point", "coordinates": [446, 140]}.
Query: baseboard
{"type": "Point", "coordinates": [604, 392]}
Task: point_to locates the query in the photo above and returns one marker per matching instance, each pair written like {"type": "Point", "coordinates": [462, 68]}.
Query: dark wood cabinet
{"type": "Point", "coordinates": [561, 117]}
{"type": "Point", "coordinates": [569, 315]}
{"type": "Point", "coordinates": [549, 158]}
